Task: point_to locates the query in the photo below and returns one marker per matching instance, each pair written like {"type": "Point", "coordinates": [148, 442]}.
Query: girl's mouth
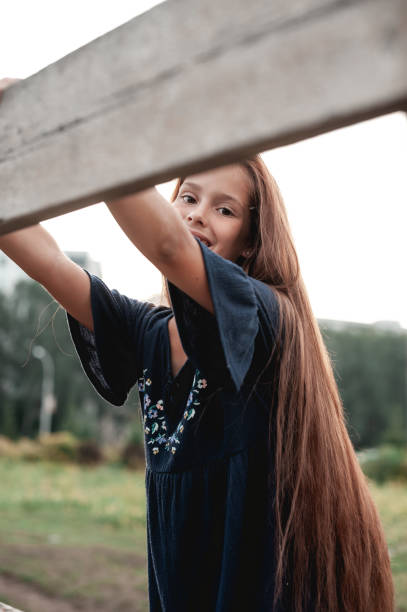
{"type": "Point", "coordinates": [202, 239]}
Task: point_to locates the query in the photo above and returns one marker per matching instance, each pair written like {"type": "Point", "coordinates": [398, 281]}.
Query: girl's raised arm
{"type": "Point", "coordinates": [35, 251]}
{"type": "Point", "coordinates": [156, 229]}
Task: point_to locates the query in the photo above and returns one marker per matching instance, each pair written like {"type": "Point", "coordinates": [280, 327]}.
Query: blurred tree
{"type": "Point", "coordinates": [370, 369]}
{"type": "Point", "coordinates": [29, 317]}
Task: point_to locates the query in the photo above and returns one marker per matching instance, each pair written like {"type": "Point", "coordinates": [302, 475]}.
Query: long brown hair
{"type": "Point", "coordinates": [330, 547]}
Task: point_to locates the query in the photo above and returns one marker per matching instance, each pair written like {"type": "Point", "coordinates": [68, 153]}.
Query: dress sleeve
{"type": "Point", "coordinates": [243, 308]}
{"type": "Point", "coordinates": [111, 353]}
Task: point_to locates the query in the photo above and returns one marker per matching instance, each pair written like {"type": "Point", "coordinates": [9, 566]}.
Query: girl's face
{"type": "Point", "coordinates": [215, 207]}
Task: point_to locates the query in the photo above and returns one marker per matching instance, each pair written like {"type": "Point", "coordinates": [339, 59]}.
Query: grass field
{"type": "Point", "coordinates": [74, 535]}
{"type": "Point", "coordinates": [391, 501]}
{"type": "Point", "coordinates": [74, 539]}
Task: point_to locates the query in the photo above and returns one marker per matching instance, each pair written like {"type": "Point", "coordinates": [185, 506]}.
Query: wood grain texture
{"type": "Point", "coordinates": [190, 85]}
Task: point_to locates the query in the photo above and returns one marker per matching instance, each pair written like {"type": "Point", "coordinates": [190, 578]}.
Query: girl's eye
{"type": "Point", "coordinates": [190, 198]}
{"type": "Point", "coordinates": [226, 212]}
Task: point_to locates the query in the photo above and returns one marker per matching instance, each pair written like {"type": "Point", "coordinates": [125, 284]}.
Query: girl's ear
{"type": "Point", "coordinates": [246, 253]}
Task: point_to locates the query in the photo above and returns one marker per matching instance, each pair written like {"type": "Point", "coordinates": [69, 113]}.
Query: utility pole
{"type": "Point", "coordinates": [48, 400]}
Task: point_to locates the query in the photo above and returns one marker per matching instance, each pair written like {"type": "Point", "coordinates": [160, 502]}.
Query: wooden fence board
{"type": "Point", "coordinates": [6, 608]}
{"type": "Point", "coordinates": [190, 85]}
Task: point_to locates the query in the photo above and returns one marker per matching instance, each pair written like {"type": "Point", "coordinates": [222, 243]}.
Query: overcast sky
{"type": "Point", "coordinates": [345, 192]}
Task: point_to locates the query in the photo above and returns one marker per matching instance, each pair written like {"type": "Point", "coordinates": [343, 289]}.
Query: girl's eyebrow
{"type": "Point", "coordinates": [223, 196]}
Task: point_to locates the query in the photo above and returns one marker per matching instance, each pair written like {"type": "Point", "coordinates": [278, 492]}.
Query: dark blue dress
{"type": "Point", "coordinates": [209, 512]}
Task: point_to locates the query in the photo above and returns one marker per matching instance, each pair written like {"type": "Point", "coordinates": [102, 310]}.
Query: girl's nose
{"type": "Point", "coordinates": [197, 215]}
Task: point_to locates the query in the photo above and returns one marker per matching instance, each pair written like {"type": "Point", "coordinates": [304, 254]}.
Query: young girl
{"type": "Point", "coordinates": [255, 499]}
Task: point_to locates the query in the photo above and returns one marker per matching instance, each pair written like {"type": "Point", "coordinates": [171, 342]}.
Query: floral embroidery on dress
{"type": "Point", "coordinates": [155, 426]}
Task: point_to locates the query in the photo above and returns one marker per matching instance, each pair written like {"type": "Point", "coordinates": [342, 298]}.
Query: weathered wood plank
{"type": "Point", "coordinates": [189, 85]}
{"type": "Point", "coordinates": [6, 608]}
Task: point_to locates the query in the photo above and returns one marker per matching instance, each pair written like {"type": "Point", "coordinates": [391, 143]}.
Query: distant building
{"type": "Point", "coordinates": [11, 274]}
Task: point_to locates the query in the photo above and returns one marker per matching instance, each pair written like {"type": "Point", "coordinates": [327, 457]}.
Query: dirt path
{"type": "Point", "coordinates": [40, 578]}
{"type": "Point", "coordinates": [27, 598]}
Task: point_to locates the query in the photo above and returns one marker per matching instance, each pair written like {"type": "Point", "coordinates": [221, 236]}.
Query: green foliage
{"type": "Point", "coordinates": [89, 453]}
{"type": "Point", "coordinates": [30, 317]}
{"type": "Point", "coordinates": [61, 447]}
{"type": "Point", "coordinates": [29, 450]}
{"type": "Point", "coordinates": [370, 370]}
{"type": "Point", "coordinates": [26, 449]}
{"type": "Point", "coordinates": [385, 463]}
{"type": "Point", "coordinates": [132, 455]}
{"type": "Point", "coordinates": [8, 448]}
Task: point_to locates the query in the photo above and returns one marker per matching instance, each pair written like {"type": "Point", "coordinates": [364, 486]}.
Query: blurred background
{"type": "Point", "coordinates": [72, 504]}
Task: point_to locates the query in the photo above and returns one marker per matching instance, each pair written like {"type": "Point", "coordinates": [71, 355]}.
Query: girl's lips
{"type": "Point", "coordinates": [201, 238]}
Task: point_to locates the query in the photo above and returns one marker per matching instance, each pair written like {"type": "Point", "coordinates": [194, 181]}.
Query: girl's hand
{"type": "Point", "coordinates": [6, 82]}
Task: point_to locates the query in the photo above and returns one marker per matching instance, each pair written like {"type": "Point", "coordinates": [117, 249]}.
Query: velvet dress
{"type": "Point", "coordinates": [209, 476]}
